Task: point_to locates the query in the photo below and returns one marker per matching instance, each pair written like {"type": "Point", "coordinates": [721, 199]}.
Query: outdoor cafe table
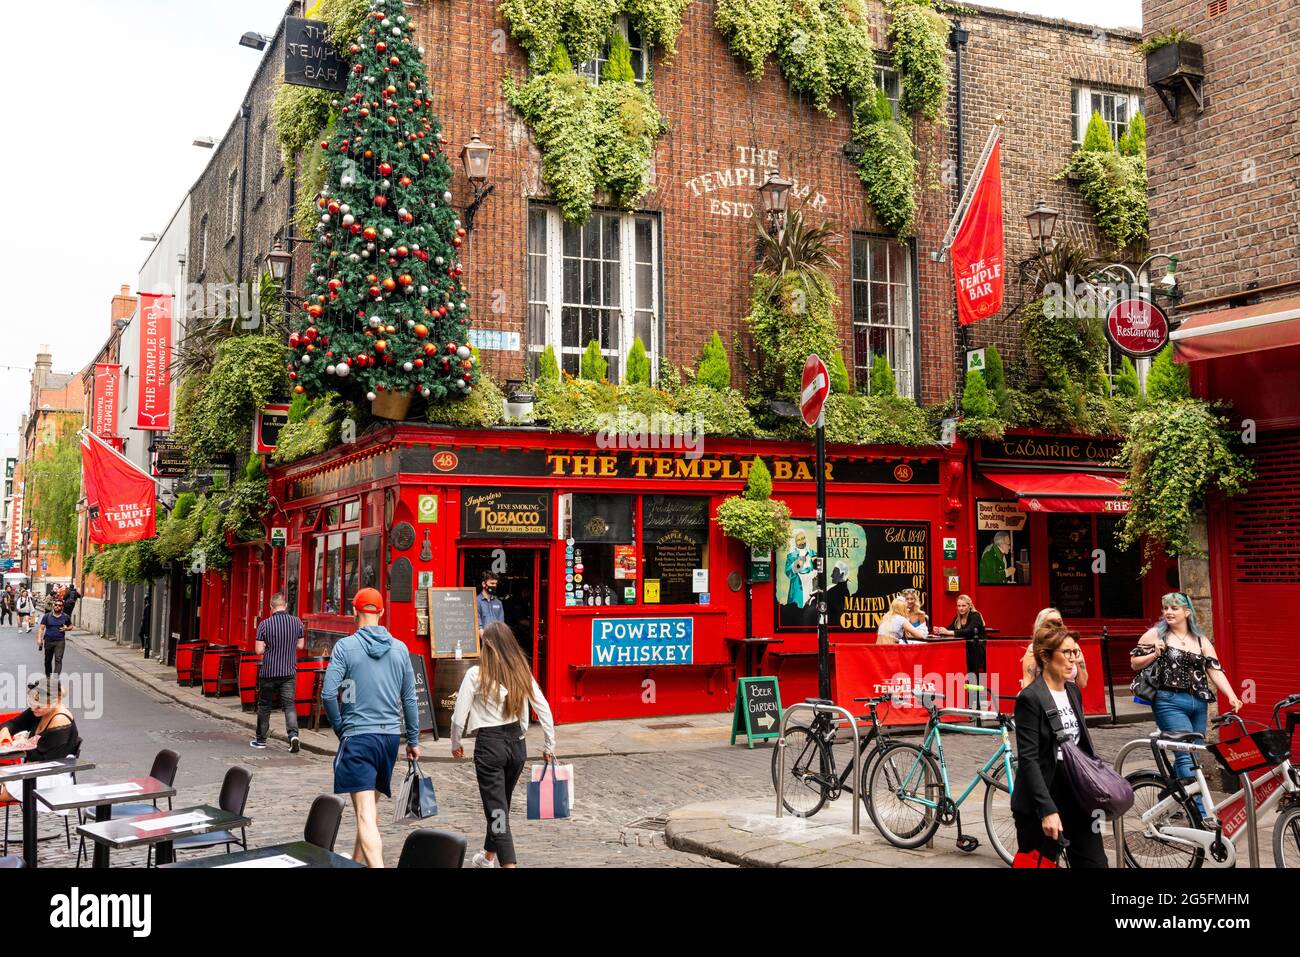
{"type": "Point", "coordinates": [28, 773]}
{"type": "Point", "coordinates": [160, 828]}
{"type": "Point", "coordinates": [295, 854]}
{"type": "Point", "coordinates": [102, 797]}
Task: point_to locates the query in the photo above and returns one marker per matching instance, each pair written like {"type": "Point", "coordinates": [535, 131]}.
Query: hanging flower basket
{"type": "Point", "coordinates": [391, 405]}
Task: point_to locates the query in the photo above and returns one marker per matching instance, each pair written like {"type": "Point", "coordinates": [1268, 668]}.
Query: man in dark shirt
{"type": "Point", "coordinates": [489, 605]}
{"type": "Point", "coordinates": [279, 639]}
{"type": "Point", "coordinates": [50, 636]}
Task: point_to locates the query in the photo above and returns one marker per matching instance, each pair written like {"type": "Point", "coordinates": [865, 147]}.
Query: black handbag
{"type": "Point", "coordinates": [1146, 683]}
{"type": "Point", "coordinates": [1096, 785]}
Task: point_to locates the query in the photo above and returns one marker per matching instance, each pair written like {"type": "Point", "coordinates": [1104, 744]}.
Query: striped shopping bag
{"type": "Point", "coordinates": [550, 795]}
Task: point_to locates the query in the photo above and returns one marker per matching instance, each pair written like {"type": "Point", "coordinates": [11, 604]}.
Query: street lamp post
{"type": "Point", "coordinates": [775, 194]}
{"type": "Point", "coordinates": [476, 157]}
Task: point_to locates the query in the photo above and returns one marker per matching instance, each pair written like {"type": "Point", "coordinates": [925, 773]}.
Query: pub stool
{"type": "Point", "coordinates": [196, 668]}
{"type": "Point", "coordinates": [426, 847]}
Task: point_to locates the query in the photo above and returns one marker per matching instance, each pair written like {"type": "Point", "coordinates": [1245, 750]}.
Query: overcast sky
{"type": "Point", "coordinates": [100, 154]}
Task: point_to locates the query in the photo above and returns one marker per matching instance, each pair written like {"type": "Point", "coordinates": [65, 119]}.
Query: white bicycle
{"type": "Point", "coordinates": [1166, 828]}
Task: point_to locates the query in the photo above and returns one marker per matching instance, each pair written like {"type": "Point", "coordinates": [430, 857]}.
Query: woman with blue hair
{"type": "Point", "coordinates": [1191, 672]}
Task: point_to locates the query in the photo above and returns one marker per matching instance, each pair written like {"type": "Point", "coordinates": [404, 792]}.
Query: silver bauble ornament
{"type": "Point", "coordinates": [463, 352]}
{"type": "Point", "coordinates": [342, 369]}
{"type": "Point", "coordinates": [349, 219]}
{"type": "Point", "coordinates": [370, 396]}
{"type": "Point", "coordinates": [446, 197]}
{"type": "Point", "coordinates": [329, 370]}
{"type": "Point", "coordinates": [425, 392]}
{"type": "Point", "coordinates": [407, 367]}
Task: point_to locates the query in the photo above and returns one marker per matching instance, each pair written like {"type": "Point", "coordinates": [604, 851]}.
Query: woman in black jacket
{"type": "Point", "coordinates": [1042, 802]}
{"type": "Point", "coordinates": [968, 623]}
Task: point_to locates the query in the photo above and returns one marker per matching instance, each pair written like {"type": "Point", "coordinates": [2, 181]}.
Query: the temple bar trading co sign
{"type": "Point", "coordinates": [308, 59]}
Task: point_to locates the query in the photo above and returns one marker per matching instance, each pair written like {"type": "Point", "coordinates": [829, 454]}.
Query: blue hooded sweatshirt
{"type": "Point", "coordinates": [372, 675]}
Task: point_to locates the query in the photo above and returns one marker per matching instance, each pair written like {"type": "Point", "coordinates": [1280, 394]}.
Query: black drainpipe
{"type": "Point", "coordinates": [245, 112]}
{"type": "Point", "coordinates": [957, 38]}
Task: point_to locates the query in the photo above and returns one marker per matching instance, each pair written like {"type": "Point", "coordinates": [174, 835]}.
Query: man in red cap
{"type": "Point", "coordinates": [368, 686]}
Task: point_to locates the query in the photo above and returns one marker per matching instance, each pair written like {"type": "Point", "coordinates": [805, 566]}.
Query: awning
{"type": "Point", "coordinates": [1229, 332]}
{"type": "Point", "coordinates": [1064, 491]}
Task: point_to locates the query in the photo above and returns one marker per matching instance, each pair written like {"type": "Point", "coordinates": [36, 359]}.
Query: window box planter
{"type": "Point", "coordinates": [1174, 67]}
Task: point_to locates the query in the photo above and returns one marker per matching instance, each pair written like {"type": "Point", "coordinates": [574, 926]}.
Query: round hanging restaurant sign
{"type": "Point", "coordinates": [1137, 327]}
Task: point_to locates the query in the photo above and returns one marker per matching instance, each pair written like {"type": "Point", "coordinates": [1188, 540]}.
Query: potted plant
{"type": "Point", "coordinates": [1170, 56]}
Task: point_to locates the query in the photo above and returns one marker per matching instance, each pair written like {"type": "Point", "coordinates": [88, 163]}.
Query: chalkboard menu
{"type": "Point", "coordinates": [423, 699]}
{"type": "Point", "coordinates": [1069, 565]}
{"type": "Point", "coordinates": [453, 620]}
{"type": "Point", "coordinates": [676, 529]}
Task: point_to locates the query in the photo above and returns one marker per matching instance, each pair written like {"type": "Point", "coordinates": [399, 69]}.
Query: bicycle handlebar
{"type": "Point", "coordinates": [988, 715]}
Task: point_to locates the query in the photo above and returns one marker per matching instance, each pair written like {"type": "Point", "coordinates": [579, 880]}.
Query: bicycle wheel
{"type": "Point", "coordinates": [807, 771]}
{"type": "Point", "coordinates": [899, 776]}
{"type": "Point", "coordinates": [1286, 838]}
{"type": "Point", "coordinates": [999, 823]}
{"type": "Point", "coordinates": [1142, 849]}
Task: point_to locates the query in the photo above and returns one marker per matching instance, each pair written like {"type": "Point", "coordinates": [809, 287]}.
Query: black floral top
{"type": "Point", "coordinates": [1184, 671]}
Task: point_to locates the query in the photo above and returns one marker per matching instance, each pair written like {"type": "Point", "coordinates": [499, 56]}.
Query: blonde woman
{"type": "Point", "coordinates": [916, 616]}
{"type": "Point", "coordinates": [1050, 617]}
{"type": "Point", "coordinates": [968, 622]}
{"type": "Point", "coordinates": [895, 628]}
{"type": "Point", "coordinates": [494, 700]}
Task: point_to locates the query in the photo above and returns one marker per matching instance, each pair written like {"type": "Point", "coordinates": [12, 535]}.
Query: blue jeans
{"type": "Point", "coordinates": [1181, 711]}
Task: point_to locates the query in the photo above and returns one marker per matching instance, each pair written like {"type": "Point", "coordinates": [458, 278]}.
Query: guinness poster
{"type": "Point", "coordinates": [867, 563]}
{"type": "Point", "coordinates": [505, 515]}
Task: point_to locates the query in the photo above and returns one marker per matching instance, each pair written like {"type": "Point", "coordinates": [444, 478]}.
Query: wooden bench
{"type": "Point", "coordinates": [580, 672]}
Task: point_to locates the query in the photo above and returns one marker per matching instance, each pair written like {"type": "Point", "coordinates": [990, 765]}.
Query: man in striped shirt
{"type": "Point", "coordinates": [279, 639]}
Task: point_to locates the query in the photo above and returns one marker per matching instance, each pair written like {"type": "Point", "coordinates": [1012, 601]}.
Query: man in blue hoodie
{"type": "Point", "coordinates": [368, 685]}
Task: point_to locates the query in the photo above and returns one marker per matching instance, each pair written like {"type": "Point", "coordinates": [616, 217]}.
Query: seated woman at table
{"type": "Point", "coordinates": [896, 628]}
{"type": "Point", "coordinates": [47, 730]}
{"type": "Point", "coordinates": [968, 623]}
{"type": "Point", "coordinates": [1029, 670]}
{"type": "Point", "coordinates": [916, 617]}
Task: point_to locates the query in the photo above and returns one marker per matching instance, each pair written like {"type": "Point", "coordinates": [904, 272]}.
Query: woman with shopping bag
{"type": "Point", "coordinates": [494, 701]}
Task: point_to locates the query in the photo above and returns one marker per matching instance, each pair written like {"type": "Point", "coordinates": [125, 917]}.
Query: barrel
{"type": "Point", "coordinates": [305, 689]}
{"type": "Point", "coordinates": [248, 665]}
{"type": "Point", "coordinates": [219, 661]}
{"type": "Point", "coordinates": [189, 661]}
{"type": "Point", "coordinates": [448, 673]}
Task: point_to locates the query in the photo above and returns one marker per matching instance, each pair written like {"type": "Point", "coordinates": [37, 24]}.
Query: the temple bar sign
{"type": "Point", "coordinates": [308, 59]}
{"type": "Point", "coordinates": [730, 191]}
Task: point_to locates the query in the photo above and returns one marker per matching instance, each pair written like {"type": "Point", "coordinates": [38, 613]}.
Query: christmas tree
{"type": "Point", "coordinates": [386, 313]}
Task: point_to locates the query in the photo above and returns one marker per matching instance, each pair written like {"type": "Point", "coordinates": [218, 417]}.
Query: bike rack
{"type": "Point", "coordinates": [857, 756]}
{"type": "Point", "coordinates": [1252, 822]}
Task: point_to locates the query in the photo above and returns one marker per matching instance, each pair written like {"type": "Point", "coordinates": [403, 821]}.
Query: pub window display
{"type": "Point", "coordinates": [603, 534]}
{"type": "Point", "coordinates": [675, 529]}
{"type": "Point", "coordinates": [337, 570]}
{"type": "Point", "coordinates": [1080, 587]}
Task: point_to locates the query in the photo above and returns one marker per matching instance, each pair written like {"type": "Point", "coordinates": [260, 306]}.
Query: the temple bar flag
{"type": "Point", "coordinates": [121, 500]}
{"type": "Point", "coordinates": [978, 253]}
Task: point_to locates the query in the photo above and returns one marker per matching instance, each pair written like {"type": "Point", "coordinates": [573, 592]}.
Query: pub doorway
{"type": "Point", "coordinates": [521, 586]}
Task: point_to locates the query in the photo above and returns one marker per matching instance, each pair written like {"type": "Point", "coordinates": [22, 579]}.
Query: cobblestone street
{"type": "Point", "coordinates": [622, 799]}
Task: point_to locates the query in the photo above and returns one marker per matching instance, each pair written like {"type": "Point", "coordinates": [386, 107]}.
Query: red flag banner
{"type": "Point", "coordinates": [977, 251]}
{"type": "Point", "coordinates": [155, 356]}
{"type": "Point", "coordinates": [121, 500]}
{"type": "Point", "coordinates": [104, 413]}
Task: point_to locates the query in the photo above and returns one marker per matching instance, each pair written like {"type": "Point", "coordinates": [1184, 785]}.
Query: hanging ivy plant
{"type": "Point", "coordinates": [755, 518]}
{"type": "Point", "coordinates": [882, 152]}
{"type": "Point", "coordinates": [583, 25]}
{"type": "Point", "coordinates": [1113, 181]}
{"type": "Point", "coordinates": [591, 137]}
{"type": "Point", "coordinates": [216, 412]}
{"type": "Point", "coordinates": [918, 37]}
{"type": "Point", "coordinates": [1177, 453]}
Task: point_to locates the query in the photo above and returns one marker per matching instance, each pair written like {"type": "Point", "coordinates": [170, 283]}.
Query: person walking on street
{"type": "Point", "coordinates": [26, 606]}
{"type": "Point", "coordinates": [490, 608]}
{"type": "Point", "coordinates": [70, 598]}
{"type": "Point", "coordinates": [279, 639]}
{"type": "Point", "coordinates": [494, 699]}
{"type": "Point", "coordinates": [1191, 673]}
{"type": "Point", "coordinates": [374, 672]}
{"type": "Point", "coordinates": [146, 623]}
{"type": "Point", "coordinates": [1043, 804]}
{"type": "Point", "coordinates": [50, 635]}
{"type": "Point", "coordinates": [8, 601]}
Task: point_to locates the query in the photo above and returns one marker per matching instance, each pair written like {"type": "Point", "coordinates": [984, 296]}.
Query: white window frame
{"type": "Point", "coordinates": [553, 305]}
{"type": "Point", "coordinates": [232, 202]}
{"type": "Point", "coordinates": [904, 366]}
{"type": "Point", "coordinates": [882, 74]}
{"type": "Point", "coordinates": [591, 69]}
{"type": "Point", "coordinates": [1081, 108]}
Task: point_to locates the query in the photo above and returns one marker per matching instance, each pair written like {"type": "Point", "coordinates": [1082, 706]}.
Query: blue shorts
{"type": "Point", "coordinates": [365, 763]}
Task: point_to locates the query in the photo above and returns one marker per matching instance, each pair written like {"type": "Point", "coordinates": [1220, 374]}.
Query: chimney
{"type": "Point", "coordinates": [123, 307]}
{"type": "Point", "coordinates": [41, 370]}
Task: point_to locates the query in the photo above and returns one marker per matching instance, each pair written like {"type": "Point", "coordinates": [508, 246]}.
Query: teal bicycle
{"type": "Point", "coordinates": [908, 790]}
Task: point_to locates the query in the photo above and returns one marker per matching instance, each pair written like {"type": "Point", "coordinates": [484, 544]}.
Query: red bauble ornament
{"type": "Point", "coordinates": [385, 169]}
{"type": "Point", "coordinates": [324, 144]}
{"type": "Point", "coordinates": [405, 279]}
{"type": "Point", "coordinates": [389, 284]}
{"type": "Point", "coordinates": [312, 333]}
{"type": "Point", "coordinates": [292, 375]}
{"type": "Point", "coordinates": [315, 312]}
{"type": "Point", "coordinates": [457, 242]}
{"type": "Point", "coordinates": [421, 330]}
{"type": "Point", "coordinates": [381, 201]}
{"type": "Point", "coordinates": [376, 292]}
{"type": "Point", "coordinates": [355, 228]}
{"type": "Point", "coordinates": [369, 154]}
{"type": "Point", "coordinates": [298, 390]}
{"type": "Point", "coordinates": [424, 157]}
{"type": "Point", "coordinates": [430, 349]}
{"type": "Point", "coordinates": [451, 347]}
{"type": "Point", "coordinates": [334, 284]}
{"type": "Point", "coordinates": [418, 363]}
{"type": "Point", "coordinates": [371, 233]}
{"type": "Point", "coordinates": [402, 252]}
{"type": "Point", "coordinates": [381, 46]}
{"type": "Point", "coordinates": [461, 231]}
{"type": "Point", "coordinates": [405, 181]}
{"type": "Point", "coordinates": [394, 61]}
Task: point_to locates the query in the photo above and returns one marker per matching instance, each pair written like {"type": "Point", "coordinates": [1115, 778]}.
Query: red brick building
{"type": "Point", "coordinates": [1225, 196]}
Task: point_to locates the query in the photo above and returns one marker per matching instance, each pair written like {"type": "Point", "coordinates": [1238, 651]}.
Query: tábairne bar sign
{"type": "Point", "coordinates": [541, 463]}
{"type": "Point", "coordinates": [1051, 449]}
{"type": "Point", "coordinates": [505, 515]}
{"type": "Point", "coordinates": [734, 186]}
{"type": "Point", "coordinates": [308, 59]}
{"type": "Point", "coordinates": [344, 476]}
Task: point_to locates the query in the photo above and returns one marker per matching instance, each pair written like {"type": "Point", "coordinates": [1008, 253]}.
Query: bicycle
{"type": "Point", "coordinates": [1165, 828]}
{"type": "Point", "coordinates": [811, 775]}
{"type": "Point", "coordinates": [909, 794]}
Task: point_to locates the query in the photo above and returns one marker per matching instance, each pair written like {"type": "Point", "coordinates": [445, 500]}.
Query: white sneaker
{"type": "Point", "coordinates": [481, 860]}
